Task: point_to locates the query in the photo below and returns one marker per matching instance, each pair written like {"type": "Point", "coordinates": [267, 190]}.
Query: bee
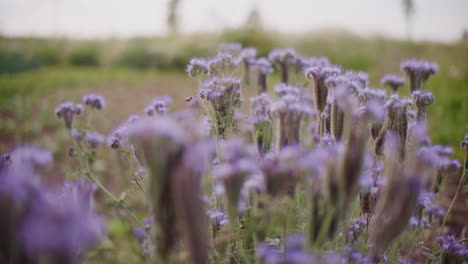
{"type": "Point", "coordinates": [188, 99]}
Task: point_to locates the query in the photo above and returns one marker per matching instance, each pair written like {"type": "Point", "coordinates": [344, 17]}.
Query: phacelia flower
{"type": "Point", "coordinates": [289, 111]}
{"type": "Point", "coordinates": [238, 164]}
{"type": "Point", "coordinates": [263, 67]}
{"type": "Point", "coordinates": [224, 96]}
{"type": "Point", "coordinates": [158, 105]}
{"type": "Point", "coordinates": [232, 48]}
{"type": "Point", "coordinates": [422, 100]}
{"type": "Point", "coordinates": [60, 227]}
{"type": "Point", "coordinates": [67, 110]}
{"type": "Point", "coordinates": [197, 67]}
{"type": "Point", "coordinates": [220, 64]}
{"type": "Point", "coordinates": [282, 171]}
{"type": "Point", "coordinates": [262, 123]}
{"type": "Point", "coordinates": [320, 76]}
{"type": "Point", "coordinates": [282, 58]}
{"type": "Point", "coordinates": [94, 100]}
{"type": "Point", "coordinates": [418, 71]}
{"type": "Point", "coordinates": [393, 81]}
{"type": "Point", "coordinates": [94, 139]}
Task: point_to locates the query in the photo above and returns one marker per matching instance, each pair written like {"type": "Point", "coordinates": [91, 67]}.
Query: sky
{"type": "Point", "coordinates": [436, 20]}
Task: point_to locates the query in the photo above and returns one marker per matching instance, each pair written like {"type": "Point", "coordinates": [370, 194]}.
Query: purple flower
{"type": "Point", "coordinates": [422, 99]}
{"type": "Point", "coordinates": [263, 67]}
{"type": "Point", "coordinates": [94, 100]}
{"type": "Point", "coordinates": [262, 123]}
{"type": "Point", "coordinates": [158, 105]}
{"type": "Point", "coordinates": [67, 110]}
{"type": "Point", "coordinates": [393, 81]}
{"type": "Point", "coordinates": [37, 157]}
{"type": "Point", "coordinates": [282, 58]}
{"type": "Point", "coordinates": [289, 110]}
{"type": "Point", "coordinates": [281, 171]}
{"type": "Point", "coordinates": [314, 61]}
{"type": "Point", "coordinates": [60, 226]}
{"type": "Point", "coordinates": [418, 72]}
{"type": "Point", "coordinates": [238, 164]}
{"type": "Point", "coordinates": [220, 64]}
{"type": "Point", "coordinates": [224, 96]}
{"type": "Point", "coordinates": [94, 139]}
{"type": "Point", "coordinates": [320, 75]}
{"type": "Point", "coordinates": [197, 67]}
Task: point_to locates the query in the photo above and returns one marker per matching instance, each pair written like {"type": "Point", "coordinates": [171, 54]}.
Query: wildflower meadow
{"type": "Point", "coordinates": [273, 157]}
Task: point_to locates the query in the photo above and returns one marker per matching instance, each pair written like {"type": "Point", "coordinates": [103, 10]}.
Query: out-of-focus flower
{"type": "Point", "coordinates": [94, 100]}
{"type": "Point", "coordinates": [393, 81]}
{"type": "Point", "coordinates": [67, 110]}
{"type": "Point", "coordinates": [158, 105]}
{"type": "Point", "coordinates": [197, 67]}
{"type": "Point", "coordinates": [35, 156]}
{"type": "Point", "coordinates": [262, 67]}
{"type": "Point", "coordinates": [175, 154]}
{"type": "Point", "coordinates": [289, 111]}
{"type": "Point", "coordinates": [418, 71]}
{"type": "Point", "coordinates": [282, 171]}
{"type": "Point", "coordinates": [262, 123]}
{"type": "Point", "coordinates": [282, 58]}
{"type": "Point", "coordinates": [238, 163]}
{"type": "Point", "coordinates": [94, 139]}
{"type": "Point", "coordinates": [60, 227]}
{"type": "Point", "coordinates": [452, 250]}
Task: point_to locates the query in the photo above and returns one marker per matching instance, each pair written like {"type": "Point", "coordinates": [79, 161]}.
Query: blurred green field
{"type": "Point", "coordinates": [37, 74]}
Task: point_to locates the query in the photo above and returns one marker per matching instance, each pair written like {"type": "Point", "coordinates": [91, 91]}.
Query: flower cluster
{"type": "Point", "coordinates": [158, 105]}
{"type": "Point", "coordinates": [94, 100]}
{"type": "Point", "coordinates": [67, 110]}
{"type": "Point", "coordinates": [418, 71]}
{"type": "Point", "coordinates": [393, 81]}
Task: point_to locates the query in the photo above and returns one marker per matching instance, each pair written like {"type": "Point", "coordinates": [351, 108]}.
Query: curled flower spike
{"type": "Point", "coordinates": [422, 99]}
{"type": "Point", "coordinates": [320, 76]}
{"type": "Point", "coordinates": [67, 110]}
{"type": "Point", "coordinates": [289, 111]}
{"type": "Point", "coordinates": [118, 136]}
{"type": "Point", "coordinates": [158, 105]}
{"type": "Point", "coordinates": [197, 67]}
{"type": "Point", "coordinates": [262, 123]}
{"type": "Point", "coordinates": [282, 58]}
{"type": "Point", "coordinates": [94, 100]}
{"type": "Point", "coordinates": [393, 81]}
{"type": "Point", "coordinates": [224, 96]}
{"type": "Point", "coordinates": [238, 164]}
{"type": "Point", "coordinates": [418, 71]}
{"type": "Point", "coordinates": [263, 68]}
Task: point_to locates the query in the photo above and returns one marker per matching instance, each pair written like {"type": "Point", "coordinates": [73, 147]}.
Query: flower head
{"type": "Point", "coordinates": [158, 105]}
{"type": "Point", "coordinates": [393, 81]}
{"type": "Point", "coordinates": [418, 72]}
{"type": "Point", "coordinates": [94, 100]}
{"type": "Point", "coordinates": [197, 67]}
{"type": "Point", "coordinates": [67, 110]}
